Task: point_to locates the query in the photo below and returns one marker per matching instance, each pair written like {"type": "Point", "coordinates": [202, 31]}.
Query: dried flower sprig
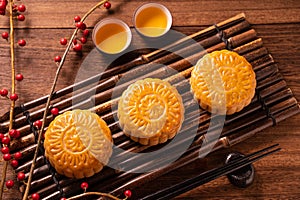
{"type": "Point", "coordinates": [80, 25]}
{"type": "Point", "coordinates": [5, 140]}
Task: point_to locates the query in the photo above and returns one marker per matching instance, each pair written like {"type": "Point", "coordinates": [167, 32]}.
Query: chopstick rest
{"type": "Point", "coordinates": [243, 177]}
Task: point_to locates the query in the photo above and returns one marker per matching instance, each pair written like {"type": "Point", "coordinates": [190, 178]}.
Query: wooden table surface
{"type": "Point", "coordinates": [277, 22]}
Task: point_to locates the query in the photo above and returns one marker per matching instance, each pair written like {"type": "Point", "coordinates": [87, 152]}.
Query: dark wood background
{"type": "Point", "coordinates": [276, 21]}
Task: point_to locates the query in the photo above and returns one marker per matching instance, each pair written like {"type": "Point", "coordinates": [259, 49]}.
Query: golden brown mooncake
{"type": "Point", "coordinates": [223, 82]}
{"type": "Point", "coordinates": [150, 111]}
{"type": "Point", "coordinates": [78, 144]}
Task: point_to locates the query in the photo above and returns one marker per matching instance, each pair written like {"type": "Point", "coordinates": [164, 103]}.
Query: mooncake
{"type": "Point", "coordinates": [78, 144]}
{"type": "Point", "coordinates": [150, 111]}
{"type": "Point", "coordinates": [223, 82]}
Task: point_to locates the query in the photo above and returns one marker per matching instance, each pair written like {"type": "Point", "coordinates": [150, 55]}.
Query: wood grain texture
{"type": "Point", "coordinates": [59, 14]}
{"type": "Point", "coordinates": [277, 22]}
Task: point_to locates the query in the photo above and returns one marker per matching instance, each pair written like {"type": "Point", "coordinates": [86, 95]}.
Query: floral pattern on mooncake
{"type": "Point", "coordinates": [223, 82]}
{"type": "Point", "coordinates": [78, 143]}
{"type": "Point", "coordinates": [150, 111]}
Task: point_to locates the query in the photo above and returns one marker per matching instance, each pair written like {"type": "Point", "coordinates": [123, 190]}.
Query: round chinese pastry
{"type": "Point", "coordinates": [78, 143]}
{"type": "Point", "coordinates": [223, 82]}
{"type": "Point", "coordinates": [150, 111]}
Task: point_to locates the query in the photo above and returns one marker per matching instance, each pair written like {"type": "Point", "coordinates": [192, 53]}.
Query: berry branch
{"type": "Point", "coordinates": [13, 96]}
{"type": "Point", "coordinates": [95, 193]}
{"type": "Point", "coordinates": [85, 185]}
{"type": "Point", "coordinates": [76, 47]}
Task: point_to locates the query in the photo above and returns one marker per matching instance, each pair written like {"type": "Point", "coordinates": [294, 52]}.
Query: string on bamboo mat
{"type": "Point", "coordinates": [260, 98]}
{"type": "Point", "coordinates": [265, 107]}
{"type": "Point", "coordinates": [223, 37]}
{"type": "Point", "coordinates": [42, 151]}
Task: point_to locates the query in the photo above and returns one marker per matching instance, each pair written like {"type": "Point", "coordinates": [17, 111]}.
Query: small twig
{"type": "Point", "coordinates": [50, 96]}
{"type": "Point", "coordinates": [12, 105]}
{"type": "Point", "coordinates": [3, 178]}
{"type": "Point", "coordinates": [95, 193]}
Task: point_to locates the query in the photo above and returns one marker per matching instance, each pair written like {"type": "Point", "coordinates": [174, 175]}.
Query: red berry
{"type": "Point", "coordinates": [38, 124]}
{"type": "Point", "coordinates": [86, 33]}
{"type": "Point", "coordinates": [5, 35]}
{"type": "Point", "coordinates": [57, 59]}
{"type": "Point", "coordinates": [4, 92]}
{"type": "Point", "coordinates": [9, 184]}
{"type": "Point", "coordinates": [21, 8]}
{"type": "Point", "coordinates": [14, 97]}
{"type": "Point", "coordinates": [5, 140]}
{"type": "Point", "coordinates": [54, 111]}
{"type": "Point", "coordinates": [35, 196]}
{"type": "Point", "coordinates": [77, 18]}
{"type": "Point", "coordinates": [63, 41]}
{"type": "Point", "coordinates": [19, 77]}
{"type": "Point", "coordinates": [2, 12]}
{"type": "Point", "coordinates": [21, 17]}
{"type": "Point", "coordinates": [3, 5]}
{"type": "Point", "coordinates": [21, 176]}
{"type": "Point", "coordinates": [77, 47]}
{"type": "Point", "coordinates": [81, 25]}
{"type": "Point", "coordinates": [128, 193]}
{"type": "Point", "coordinates": [12, 132]}
{"type": "Point", "coordinates": [83, 40]}
{"type": "Point", "coordinates": [5, 150]}
{"type": "Point", "coordinates": [84, 185]}
{"type": "Point", "coordinates": [75, 41]}
{"type": "Point", "coordinates": [1, 136]}
{"type": "Point", "coordinates": [107, 5]}
{"type": "Point", "coordinates": [14, 163]}
{"type": "Point", "coordinates": [63, 198]}
{"type": "Point", "coordinates": [22, 43]}
{"type": "Point", "coordinates": [18, 134]}
{"type": "Point", "coordinates": [6, 157]}
{"type": "Point", "coordinates": [15, 8]}
{"type": "Point", "coordinates": [18, 155]}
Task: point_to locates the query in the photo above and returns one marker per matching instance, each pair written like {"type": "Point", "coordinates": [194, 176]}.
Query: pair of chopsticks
{"type": "Point", "coordinates": [210, 175]}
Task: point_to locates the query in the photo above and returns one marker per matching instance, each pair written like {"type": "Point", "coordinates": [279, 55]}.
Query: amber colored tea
{"type": "Point", "coordinates": [111, 37]}
{"type": "Point", "coordinates": [152, 20]}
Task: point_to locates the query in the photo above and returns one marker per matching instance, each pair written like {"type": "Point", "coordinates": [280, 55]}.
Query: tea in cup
{"type": "Point", "coordinates": [111, 36]}
{"type": "Point", "coordinates": [152, 20]}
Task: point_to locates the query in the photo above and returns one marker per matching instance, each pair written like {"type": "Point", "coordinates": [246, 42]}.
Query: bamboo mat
{"type": "Point", "coordinates": [272, 103]}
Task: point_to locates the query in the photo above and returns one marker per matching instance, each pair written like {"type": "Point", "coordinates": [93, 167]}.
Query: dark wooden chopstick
{"type": "Point", "coordinates": [210, 175]}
